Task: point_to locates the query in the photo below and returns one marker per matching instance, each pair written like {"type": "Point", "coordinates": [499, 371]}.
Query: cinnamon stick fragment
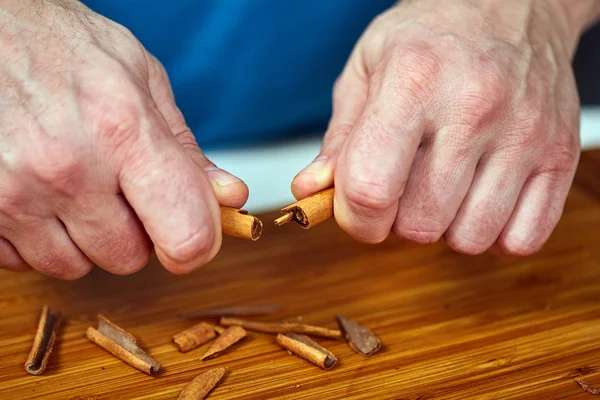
{"type": "Point", "coordinates": [359, 337]}
{"type": "Point", "coordinates": [306, 348]}
{"type": "Point", "coordinates": [122, 345]}
{"type": "Point", "coordinates": [195, 336]}
{"type": "Point", "coordinates": [282, 327]}
{"type": "Point", "coordinates": [228, 338]}
{"type": "Point", "coordinates": [43, 342]}
{"type": "Point", "coordinates": [234, 311]}
{"type": "Point", "coordinates": [201, 386]}
{"type": "Point", "coordinates": [238, 223]}
{"type": "Point", "coordinates": [586, 387]}
{"type": "Point", "coordinates": [309, 211]}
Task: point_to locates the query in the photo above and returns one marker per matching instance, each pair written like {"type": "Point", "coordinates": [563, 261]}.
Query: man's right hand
{"type": "Point", "coordinates": [97, 162]}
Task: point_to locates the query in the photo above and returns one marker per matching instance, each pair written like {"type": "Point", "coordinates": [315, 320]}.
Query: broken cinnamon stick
{"type": "Point", "coordinates": [233, 311]}
{"type": "Point", "coordinates": [309, 211]}
{"type": "Point", "coordinates": [122, 345]}
{"type": "Point", "coordinates": [195, 336]}
{"type": "Point", "coordinates": [43, 342]}
{"type": "Point", "coordinates": [226, 339]}
{"type": "Point", "coordinates": [586, 387]}
{"type": "Point", "coordinates": [282, 327]}
{"type": "Point", "coordinates": [359, 337]}
{"type": "Point", "coordinates": [201, 386]}
{"type": "Point", "coordinates": [238, 223]}
{"type": "Point", "coordinates": [306, 348]}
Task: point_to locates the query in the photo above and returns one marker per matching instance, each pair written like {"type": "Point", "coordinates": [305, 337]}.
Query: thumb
{"type": "Point", "coordinates": [229, 190]}
{"type": "Point", "coordinates": [349, 99]}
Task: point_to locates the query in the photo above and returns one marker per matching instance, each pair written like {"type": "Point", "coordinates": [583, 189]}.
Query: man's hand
{"type": "Point", "coordinates": [456, 118]}
{"type": "Point", "coordinates": [97, 161]}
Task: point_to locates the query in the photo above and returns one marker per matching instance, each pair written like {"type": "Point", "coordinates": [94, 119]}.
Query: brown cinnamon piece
{"type": "Point", "coordinates": [233, 311]}
{"type": "Point", "coordinates": [360, 338]}
{"type": "Point", "coordinates": [305, 347]}
{"type": "Point", "coordinates": [587, 387]}
{"type": "Point", "coordinates": [282, 327]}
{"type": "Point", "coordinates": [309, 211]}
{"type": "Point", "coordinates": [238, 223]}
{"type": "Point", "coordinates": [122, 345]}
{"type": "Point", "coordinates": [228, 338]}
{"type": "Point", "coordinates": [195, 336]}
{"type": "Point", "coordinates": [201, 386]}
{"type": "Point", "coordinates": [43, 341]}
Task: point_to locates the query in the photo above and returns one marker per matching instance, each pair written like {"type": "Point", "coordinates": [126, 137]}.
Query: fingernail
{"type": "Point", "coordinates": [317, 166]}
{"type": "Point", "coordinates": [220, 177]}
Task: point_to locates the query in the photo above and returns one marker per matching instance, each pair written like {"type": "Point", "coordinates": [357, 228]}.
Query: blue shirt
{"type": "Point", "coordinates": [245, 71]}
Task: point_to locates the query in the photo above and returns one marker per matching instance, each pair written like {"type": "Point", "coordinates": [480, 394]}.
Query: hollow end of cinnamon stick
{"type": "Point", "coordinates": [43, 342]}
{"type": "Point", "coordinates": [237, 223]}
{"type": "Point", "coordinates": [310, 211]}
{"type": "Point", "coordinates": [308, 349]}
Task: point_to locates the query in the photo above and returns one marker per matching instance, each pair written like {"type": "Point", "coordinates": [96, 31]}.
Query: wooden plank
{"type": "Point", "coordinates": [452, 326]}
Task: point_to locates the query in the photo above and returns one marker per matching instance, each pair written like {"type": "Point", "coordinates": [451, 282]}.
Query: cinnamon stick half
{"type": "Point", "coordinates": [305, 347]}
{"type": "Point", "coordinates": [309, 211]}
{"type": "Point", "coordinates": [122, 345]}
{"type": "Point", "coordinates": [43, 342]}
{"type": "Point", "coordinates": [359, 337]}
{"type": "Point", "coordinates": [282, 327]}
{"type": "Point", "coordinates": [233, 311]}
{"type": "Point", "coordinates": [227, 338]}
{"type": "Point", "coordinates": [201, 386]}
{"type": "Point", "coordinates": [195, 336]}
{"type": "Point", "coordinates": [238, 223]}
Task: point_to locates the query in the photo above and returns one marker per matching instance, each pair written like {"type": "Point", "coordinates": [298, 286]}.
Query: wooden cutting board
{"type": "Point", "coordinates": [453, 326]}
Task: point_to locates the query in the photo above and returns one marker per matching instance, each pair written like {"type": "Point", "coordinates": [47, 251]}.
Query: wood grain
{"type": "Point", "coordinates": [452, 326]}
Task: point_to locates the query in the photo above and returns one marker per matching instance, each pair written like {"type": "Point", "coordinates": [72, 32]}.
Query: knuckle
{"type": "Point", "coordinates": [61, 168]}
{"type": "Point", "coordinates": [197, 250]}
{"type": "Point", "coordinates": [470, 244]}
{"type": "Point", "coordinates": [416, 71]}
{"type": "Point", "coordinates": [125, 256]}
{"type": "Point", "coordinates": [562, 158]}
{"type": "Point", "coordinates": [518, 247]}
{"type": "Point", "coordinates": [60, 266]}
{"type": "Point", "coordinates": [418, 229]}
{"type": "Point", "coordinates": [479, 100]}
{"type": "Point", "coordinates": [366, 197]}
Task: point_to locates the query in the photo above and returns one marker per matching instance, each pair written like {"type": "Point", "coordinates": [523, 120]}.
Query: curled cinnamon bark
{"type": "Point", "coordinates": [306, 348]}
{"type": "Point", "coordinates": [195, 336]}
{"type": "Point", "coordinates": [122, 345]}
{"type": "Point", "coordinates": [309, 211]}
{"type": "Point", "coordinates": [201, 386]}
{"type": "Point", "coordinates": [226, 339]}
{"type": "Point", "coordinates": [359, 337]}
{"type": "Point", "coordinates": [237, 223]}
{"type": "Point", "coordinates": [282, 327]}
{"type": "Point", "coordinates": [43, 342]}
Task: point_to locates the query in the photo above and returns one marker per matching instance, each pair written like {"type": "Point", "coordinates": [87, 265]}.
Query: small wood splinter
{"type": "Point", "coordinates": [43, 342]}
{"type": "Point", "coordinates": [122, 345]}
{"type": "Point", "coordinates": [226, 339]}
{"type": "Point", "coordinates": [233, 311]}
{"type": "Point", "coordinates": [237, 223]}
{"type": "Point", "coordinates": [282, 327]}
{"type": "Point", "coordinates": [587, 387]}
{"type": "Point", "coordinates": [201, 386]}
{"type": "Point", "coordinates": [359, 337]}
{"type": "Point", "coordinates": [309, 211]}
{"type": "Point", "coordinates": [195, 336]}
{"type": "Point", "coordinates": [306, 348]}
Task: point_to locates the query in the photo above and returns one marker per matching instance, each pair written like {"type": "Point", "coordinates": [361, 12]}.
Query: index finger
{"type": "Point", "coordinates": [173, 198]}
{"type": "Point", "coordinates": [375, 161]}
